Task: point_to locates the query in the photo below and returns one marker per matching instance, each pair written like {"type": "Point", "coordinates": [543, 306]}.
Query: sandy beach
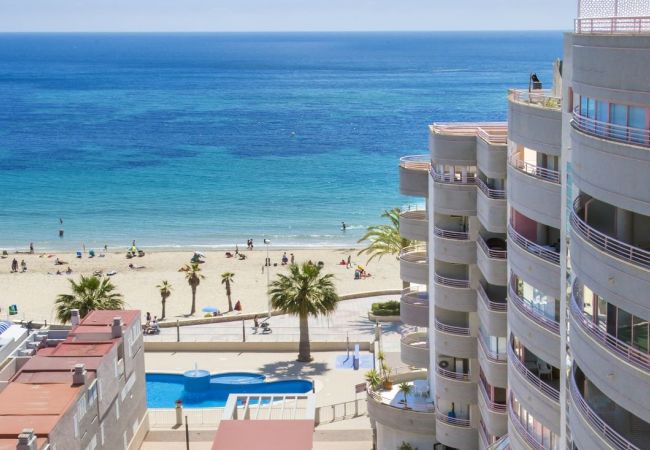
{"type": "Point", "coordinates": [36, 290]}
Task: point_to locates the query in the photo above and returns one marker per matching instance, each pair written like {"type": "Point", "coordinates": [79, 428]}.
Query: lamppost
{"type": "Point", "coordinates": [267, 263]}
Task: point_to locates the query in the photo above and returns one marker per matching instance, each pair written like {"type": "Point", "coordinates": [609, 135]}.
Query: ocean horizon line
{"type": "Point", "coordinates": [240, 32]}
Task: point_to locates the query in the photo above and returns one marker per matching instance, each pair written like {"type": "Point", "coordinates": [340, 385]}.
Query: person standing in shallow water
{"type": "Point", "coordinates": [343, 226]}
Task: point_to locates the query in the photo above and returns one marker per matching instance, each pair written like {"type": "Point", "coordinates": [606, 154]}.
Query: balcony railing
{"type": "Point", "coordinates": [422, 409]}
{"type": "Point", "coordinates": [612, 25]}
{"type": "Point", "coordinates": [610, 131]}
{"type": "Point", "coordinates": [621, 349]}
{"type": "Point", "coordinates": [453, 375]}
{"type": "Point", "coordinates": [458, 235]}
{"type": "Point", "coordinates": [607, 244]}
{"type": "Point", "coordinates": [494, 136]}
{"type": "Point", "coordinates": [603, 429]}
{"type": "Point", "coordinates": [547, 390]}
{"type": "Point", "coordinates": [495, 194]}
{"type": "Point", "coordinates": [452, 329]}
{"type": "Point", "coordinates": [416, 162]}
{"type": "Point", "coordinates": [447, 178]}
{"type": "Point", "coordinates": [491, 253]}
{"type": "Point", "coordinates": [493, 306]}
{"type": "Point", "coordinates": [499, 358]}
{"type": "Point", "coordinates": [455, 421]}
{"type": "Point", "coordinates": [499, 408]}
{"type": "Point", "coordinates": [414, 253]}
{"type": "Point", "coordinates": [541, 173]}
{"type": "Point", "coordinates": [526, 309]}
{"type": "Point", "coordinates": [521, 429]}
{"type": "Point", "coordinates": [531, 247]}
{"type": "Point", "coordinates": [451, 282]}
{"type": "Point", "coordinates": [538, 97]}
{"type": "Point", "coordinates": [413, 338]}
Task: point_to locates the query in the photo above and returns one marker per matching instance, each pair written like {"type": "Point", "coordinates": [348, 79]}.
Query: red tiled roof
{"type": "Point", "coordinates": [105, 317]}
{"type": "Point", "coordinates": [264, 435]}
{"type": "Point", "coordinates": [78, 349]}
{"type": "Point", "coordinates": [51, 363]}
{"type": "Point", "coordinates": [19, 399]}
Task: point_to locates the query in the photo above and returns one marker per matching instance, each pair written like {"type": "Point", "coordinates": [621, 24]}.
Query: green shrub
{"type": "Point", "coordinates": [388, 308]}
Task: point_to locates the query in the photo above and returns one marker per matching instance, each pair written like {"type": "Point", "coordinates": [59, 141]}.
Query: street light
{"type": "Point", "coordinates": [267, 263]}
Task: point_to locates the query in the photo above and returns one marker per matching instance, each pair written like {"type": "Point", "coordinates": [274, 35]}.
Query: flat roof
{"type": "Point", "coordinates": [20, 399]}
{"type": "Point", "coordinates": [264, 435]}
{"type": "Point", "coordinates": [46, 377]}
{"type": "Point", "coordinates": [78, 349]}
{"type": "Point", "coordinates": [10, 444]}
{"type": "Point", "coordinates": [105, 317]}
{"type": "Point", "coordinates": [53, 363]}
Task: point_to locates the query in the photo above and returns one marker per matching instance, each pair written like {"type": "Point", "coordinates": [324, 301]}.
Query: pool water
{"type": "Point", "coordinates": [163, 389]}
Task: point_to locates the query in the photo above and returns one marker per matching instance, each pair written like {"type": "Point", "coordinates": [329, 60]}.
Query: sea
{"type": "Point", "coordinates": [204, 140]}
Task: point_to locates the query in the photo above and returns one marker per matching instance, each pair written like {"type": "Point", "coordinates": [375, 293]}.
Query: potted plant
{"type": "Point", "coordinates": [405, 388]}
{"type": "Point", "coordinates": [386, 380]}
{"type": "Point", "coordinates": [374, 379]}
{"type": "Point", "coordinates": [406, 446]}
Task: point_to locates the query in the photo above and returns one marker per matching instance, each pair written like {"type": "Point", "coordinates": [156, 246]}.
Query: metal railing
{"type": "Point", "coordinates": [499, 408]}
{"type": "Point", "coordinates": [546, 389]}
{"type": "Point", "coordinates": [494, 136]}
{"type": "Point", "coordinates": [447, 178]}
{"type": "Point", "coordinates": [196, 417]}
{"type": "Point", "coordinates": [340, 411]}
{"type": "Point", "coordinates": [495, 194]}
{"type": "Point", "coordinates": [452, 329]}
{"type": "Point", "coordinates": [607, 244]}
{"type": "Point", "coordinates": [499, 358]}
{"type": "Point", "coordinates": [414, 253]}
{"type": "Point", "coordinates": [416, 162]}
{"type": "Point", "coordinates": [455, 421]}
{"type": "Point", "coordinates": [537, 97]}
{"type": "Point", "coordinates": [457, 235]}
{"type": "Point", "coordinates": [610, 131]}
{"type": "Point", "coordinates": [451, 282]}
{"type": "Point", "coordinates": [612, 25]}
{"type": "Point", "coordinates": [541, 173]}
{"type": "Point", "coordinates": [619, 348]}
{"type": "Point", "coordinates": [521, 430]}
{"type": "Point", "coordinates": [491, 253]}
{"type": "Point", "coordinates": [232, 332]}
{"type": "Point", "coordinates": [526, 309]}
{"type": "Point", "coordinates": [453, 375]}
{"type": "Point", "coordinates": [465, 128]}
{"type": "Point", "coordinates": [596, 423]}
{"type": "Point", "coordinates": [531, 247]}
{"type": "Point", "coordinates": [499, 307]}
{"type": "Point", "coordinates": [376, 396]}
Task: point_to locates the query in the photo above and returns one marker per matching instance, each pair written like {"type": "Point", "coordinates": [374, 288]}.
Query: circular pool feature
{"type": "Point", "coordinates": [209, 391]}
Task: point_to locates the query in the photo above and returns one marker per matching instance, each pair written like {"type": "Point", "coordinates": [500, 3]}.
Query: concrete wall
{"type": "Point", "coordinates": [414, 271]}
{"type": "Point", "coordinates": [462, 392]}
{"type": "Point", "coordinates": [453, 149]}
{"type": "Point", "coordinates": [457, 437]}
{"type": "Point", "coordinates": [539, 340]}
{"type": "Point", "coordinates": [413, 182]}
{"type": "Point", "coordinates": [456, 299]}
{"type": "Point", "coordinates": [543, 408]}
{"type": "Point", "coordinates": [493, 323]}
{"type": "Point", "coordinates": [455, 250]}
{"type": "Point", "coordinates": [537, 199]}
{"type": "Point", "coordinates": [495, 373]}
{"type": "Point", "coordinates": [414, 225]}
{"type": "Point", "coordinates": [455, 199]}
{"type": "Point", "coordinates": [492, 213]}
{"type": "Point", "coordinates": [534, 270]}
{"type": "Point", "coordinates": [491, 159]}
{"type": "Point", "coordinates": [494, 270]}
{"type": "Point", "coordinates": [456, 345]}
{"type": "Point", "coordinates": [390, 438]}
{"type": "Point", "coordinates": [535, 127]}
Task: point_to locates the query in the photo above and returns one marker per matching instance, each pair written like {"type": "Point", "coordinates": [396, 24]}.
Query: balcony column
{"type": "Point", "coordinates": [542, 234]}
{"type": "Point", "coordinates": [624, 225]}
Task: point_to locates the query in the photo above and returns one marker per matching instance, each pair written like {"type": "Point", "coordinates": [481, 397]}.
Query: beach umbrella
{"type": "Point", "coordinates": [210, 309]}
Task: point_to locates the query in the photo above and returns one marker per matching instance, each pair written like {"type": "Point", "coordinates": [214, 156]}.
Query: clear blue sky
{"type": "Point", "coordinates": [284, 15]}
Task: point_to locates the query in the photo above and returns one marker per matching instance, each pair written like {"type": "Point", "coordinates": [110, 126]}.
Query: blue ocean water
{"type": "Point", "coordinates": [209, 139]}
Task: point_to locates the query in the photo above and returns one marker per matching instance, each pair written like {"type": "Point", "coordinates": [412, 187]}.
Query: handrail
{"type": "Point", "coordinates": [465, 128]}
{"type": "Point", "coordinates": [546, 389]}
{"type": "Point", "coordinates": [523, 432]}
{"type": "Point", "coordinates": [458, 235]}
{"type": "Point", "coordinates": [414, 253]}
{"type": "Point", "coordinates": [619, 348]}
{"type": "Point", "coordinates": [608, 244]}
{"type": "Point", "coordinates": [499, 358]}
{"type": "Point", "coordinates": [412, 207]}
{"type": "Point", "coordinates": [417, 162]}
{"type": "Point", "coordinates": [469, 179]}
{"type": "Point", "coordinates": [611, 131]}
{"type": "Point", "coordinates": [496, 194]}
{"type": "Point", "coordinates": [414, 214]}
{"type": "Point", "coordinates": [490, 253]}
{"type": "Point", "coordinates": [540, 319]}
{"type": "Point", "coordinates": [537, 97]}
{"type": "Point", "coordinates": [533, 248]}
{"type": "Point", "coordinates": [494, 136]}
{"type": "Point", "coordinates": [483, 434]}
{"type": "Point", "coordinates": [463, 331]}
{"type": "Point", "coordinates": [455, 421]}
{"type": "Point", "coordinates": [453, 375]}
{"type": "Point", "coordinates": [612, 25]}
{"type": "Point", "coordinates": [499, 408]}
{"type": "Point", "coordinates": [452, 282]}
{"type": "Point", "coordinates": [598, 424]}
{"type": "Point", "coordinates": [541, 173]}
{"type": "Point", "coordinates": [499, 307]}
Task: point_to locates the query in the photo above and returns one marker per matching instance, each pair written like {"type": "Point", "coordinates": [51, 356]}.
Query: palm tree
{"type": "Point", "coordinates": [89, 294]}
{"type": "Point", "coordinates": [227, 278]}
{"type": "Point", "coordinates": [193, 276]}
{"type": "Point", "coordinates": [405, 388]}
{"type": "Point", "coordinates": [165, 289]}
{"type": "Point", "coordinates": [384, 239]}
{"type": "Point", "coordinates": [304, 292]}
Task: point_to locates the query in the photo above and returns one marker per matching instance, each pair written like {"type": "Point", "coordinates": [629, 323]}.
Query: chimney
{"type": "Point", "coordinates": [74, 317]}
{"type": "Point", "coordinates": [78, 375]}
{"type": "Point", "coordinates": [26, 440]}
{"type": "Point", "coordinates": [116, 329]}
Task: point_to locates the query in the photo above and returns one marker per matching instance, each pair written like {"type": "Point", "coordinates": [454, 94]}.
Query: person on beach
{"type": "Point", "coordinates": [14, 266]}
{"type": "Point", "coordinates": [293, 259]}
{"type": "Point", "coordinates": [343, 226]}
{"type": "Point", "coordinates": [285, 260]}
{"type": "Point", "coordinates": [69, 270]}
{"type": "Point", "coordinates": [236, 249]}
{"type": "Point", "coordinates": [251, 243]}
{"type": "Point", "coordinates": [31, 248]}
{"type": "Point", "coordinates": [238, 306]}
{"type": "Point", "coordinates": [256, 324]}
{"type": "Point", "coordinates": [349, 265]}
{"type": "Point", "coordinates": [23, 266]}
{"type": "Point", "coordinates": [148, 317]}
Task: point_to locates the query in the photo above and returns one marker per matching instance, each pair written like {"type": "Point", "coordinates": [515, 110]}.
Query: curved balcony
{"type": "Point", "coordinates": [491, 259]}
{"type": "Point", "coordinates": [491, 207]}
{"type": "Point", "coordinates": [415, 349]}
{"type": "Point", "coordinates": [454, 340]}
{"type": "Point", "coordinates": [454, 196]}
{"type": "Point", "coordinates": [588, 430]}
{"type": "Point", "coordinates": [454, 246]}
{"type": "Point", "coordinates": [413, 172]}
{"type": "Point", "coordinates": [612, 25]}
{"type": "Point", "coordinates": [520, 437]}
{"type": "Point", "coordinates": [454, 294]}
{"type": "Point", "coordinates": [535, 120]}
{"type": "Point", "coordinates": [492, 151]}
{"type": "Point", "coordinates": [414, 225]}
{"type": "Point", "coordinates": [414, 264]}
{"type": "Point", "coordinates": [494, 365]}
{"type": "Point", "coordinates": [418, 417]}
{"type": "Point", "coordinates": [453, 143]}
{"type": "Point", "coordinates": [534, 191]}
{"type": "Point", "coordinates": [621, 371]}
{"type": "Point", "coordinates": [538, 264]}
{"type": "Point", "coordinates": [493, 414]}
{"type": "Point", "coordinates": [455, 386]}
{"type": "Point", "coordinates": [414, 307]}
{"type": "Point", "coordinates": [492, 314]}
{"type": "Point", "coordinates": [540, 334]}
{"type": "Point", "coordinates": [455, 432]}
{"type": "Point", "coordinates": [610, 131]}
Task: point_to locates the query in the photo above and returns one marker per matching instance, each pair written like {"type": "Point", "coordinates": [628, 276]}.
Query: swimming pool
{"type": "Point", "coordinates": [163, 389]}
